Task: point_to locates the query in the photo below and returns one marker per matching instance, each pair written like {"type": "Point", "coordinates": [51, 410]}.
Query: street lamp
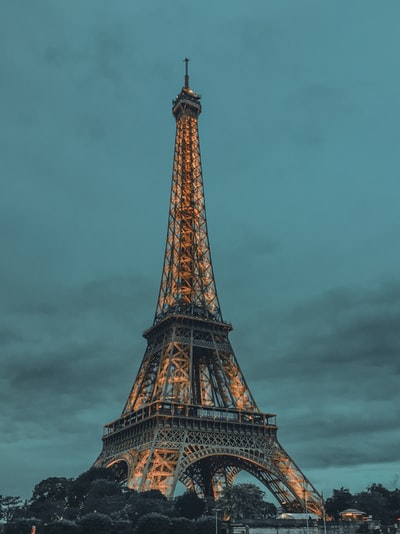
{"type": "Point", "coordinates": [216, 510]}
{"type": "Point", "coordinates": [305, 505]}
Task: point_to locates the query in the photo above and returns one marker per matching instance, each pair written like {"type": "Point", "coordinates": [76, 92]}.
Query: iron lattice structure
{"type": "Point", "coordinates": [190, 416]}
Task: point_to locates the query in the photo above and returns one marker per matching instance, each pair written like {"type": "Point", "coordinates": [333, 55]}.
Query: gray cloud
{"type": "Point", "coordinates": [333, 371]}
{"type": "Point", "coordinates": [299, 163]}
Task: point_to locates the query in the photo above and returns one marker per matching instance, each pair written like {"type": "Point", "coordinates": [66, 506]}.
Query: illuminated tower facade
{"type": "Point", "coordinates": [190, 416]}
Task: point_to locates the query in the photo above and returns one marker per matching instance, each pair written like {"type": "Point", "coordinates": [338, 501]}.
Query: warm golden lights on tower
{"type": "Point", "coordinates": [190, 416]}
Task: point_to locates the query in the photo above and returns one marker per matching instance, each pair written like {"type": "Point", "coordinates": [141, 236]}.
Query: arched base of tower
{"type": "Point", "coordinates": [206, 455]}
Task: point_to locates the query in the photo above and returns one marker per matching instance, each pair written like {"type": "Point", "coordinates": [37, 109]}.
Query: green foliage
{"type": "Point", "coordinates": [245, 501]}
{"type": "Point", "coordinates": [49, 498]}
{"type": "Point", "coordinates": [51, 489]}
{"type": "Point", "coordinates": [79, 488]}
{"type": "Point", "coordinates": [21, 526]}
{"type": "Point", "coordinates": [341, 500]}
{"type": "Point", "coordinates": [60, 527]}
{"type": "Point", "coordinates": [121, 527]}
{"type": "Point", "coordinates": [205, 525]}
{"type": "Point", "coordinates": [153, 494]}
{"type": "Point", "coordinates": [8, 507]}
{"type": "Point", "coordinates": [104, 495]}
{"type": "Point", "coordinates": [181, 525]}
{"type": "Point", "coordinates": [153, 523]}
{"type": "Point", "coordinates": [95, 523]}
{"type": "Point", "coordinates": [394, 504]}
{"type": "Point", "coordinates": [189, 505]}
{"type": "Point", "coordinates": [377, 501]}
{"type": "Point", "coordinates": [95, 502]}
{"type": "Point", "coordinates": [156, 502]}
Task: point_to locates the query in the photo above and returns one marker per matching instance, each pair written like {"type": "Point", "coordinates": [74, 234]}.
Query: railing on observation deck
{"type": "Point", "coordinates": [190, 411]}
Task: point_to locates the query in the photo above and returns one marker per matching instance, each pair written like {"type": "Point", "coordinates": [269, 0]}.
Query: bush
{"type": "Point", "coordinates": [205, 525]}
{"type": "Point", "coordinates": [60, 527]}
{"type": "Point", "coordinates": [189, 505]}
{"type": "Point", "coordinates": [153, 523]}
{"type": "Point", "coordinates": [120, 526]}
{"type": "Point", "coordinates": [181, 525]}
{"type": "Point", "coordinates": [95, 523]}
{"type": "Point", "coordinates": [21, 526]}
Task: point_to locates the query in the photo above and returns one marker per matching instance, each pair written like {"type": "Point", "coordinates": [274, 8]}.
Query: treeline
{"type": "Point", "coordinates": [376, 501]}
{"type": "Point", "coordinates": [94, 503]}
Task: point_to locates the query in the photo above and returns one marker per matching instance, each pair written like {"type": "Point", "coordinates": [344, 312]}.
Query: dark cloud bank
{"type": "Point", "coordinates": [331, 369]}
{"type": "Point", "coordinates": [298, 134]}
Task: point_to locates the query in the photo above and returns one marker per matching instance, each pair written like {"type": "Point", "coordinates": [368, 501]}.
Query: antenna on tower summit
{"type": "Point", "coordinates": [186, 60]}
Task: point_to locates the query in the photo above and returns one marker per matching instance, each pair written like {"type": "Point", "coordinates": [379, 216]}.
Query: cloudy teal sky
{"type": "Point", "coordinates": [300, 152]}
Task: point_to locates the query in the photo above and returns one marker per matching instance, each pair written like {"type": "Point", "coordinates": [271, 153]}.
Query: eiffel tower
{"type": "Point", "coordinates": [190, 416]}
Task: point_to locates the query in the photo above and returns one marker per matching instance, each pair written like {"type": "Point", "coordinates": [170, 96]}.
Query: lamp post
{"type": "Point", "coordinates": [305, 506]}
{"type": "Point", "coordinates": [323, 512]}
{"type": "Point", "coordinates": [216, 510]}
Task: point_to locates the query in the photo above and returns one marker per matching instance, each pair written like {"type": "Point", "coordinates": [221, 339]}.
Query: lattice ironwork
{"type": "Point", "coordinates": [190, 360]}
{"type": "Point", "coordinates": [190, 416]}
{"type": "Point", "coordinates": [187, 283]}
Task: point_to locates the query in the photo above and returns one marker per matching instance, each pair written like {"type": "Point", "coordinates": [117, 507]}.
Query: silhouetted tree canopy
{"type": "Point", "coordinates": [79, 488]}
{"type": "Point", "coordinates": [8, 506]}
{"type": "Point", "coordinates": [205, 525]}
{"type": "Point", "coordinates": [49, 498]}
{"type": "Point", "coordinates": [189, 505]}
{"type": "Point", "coordinates": [377, 501]}
{"type": "Point", "coordinates": [21, 526]}
{"type": "Point", "coordinates": [341, 500]}
{"type": "Point", "coordinates": [60, 527]}
{"type": "Point", "coordinates": [181, 525]}
{"type": "Point", "coordinates": [245, 501]}
{"type": "Point", "coordinates": [95, 523]}
{"type": "Point", "coordinates": [153, 523]}
{"type": "Point", "coordinates": [95, 502]}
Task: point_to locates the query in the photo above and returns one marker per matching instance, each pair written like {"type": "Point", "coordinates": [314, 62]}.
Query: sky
{"type": "Point", "coordinates": [299, 140]}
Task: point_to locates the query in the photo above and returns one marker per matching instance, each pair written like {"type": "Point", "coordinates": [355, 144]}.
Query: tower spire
{"type": "Point", "coordinates": [187, 283]}
{"type": "Point", "coordinates": [186, 60]}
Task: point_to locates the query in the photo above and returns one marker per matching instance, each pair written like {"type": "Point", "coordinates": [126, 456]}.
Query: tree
{"type": "Point", "coordinates": [60, 527]}
{"type": "Point", "coordinates": [154, 494]}
{"type": "Point", "coordinates": [394, 505]}
{"type": "Point", "coordinates": [95, 523]}
{"type": "Point", "coordinates": [205, 525]}
{"type": "Point", "coordinates": [181, 525]}
{"type": "Point", "coordinates": [380, 503]}
{"type": "Point", "coordinates": [79, 487]}
{"type": "Point", "coordinates": [21, 526]}
{"type": "Point", "coordinates": [373, 504]}
{"type": "Point", "coordinates": [120, 526]}
{"type": "Point", "coordinates": [152, 501]}
{"type": "Point", "coordinates": [8, 507]}
{"type": "Point", "coordinates": [189, 505]}
{"type": "Point", "coordinates": [105, 496]}
{"type": "Point", "coordinates": [153, 523]}
{"type": "Point", "coordinates": [341, 500]}
{"type": "Point", "coordinates": [49, 498]}
{"type": "Point", "coordinates": [380, 489]}
{"type": "Point", "coordinates": [51, 489]}
{"type": "Point", "coordinates": [245, 501]}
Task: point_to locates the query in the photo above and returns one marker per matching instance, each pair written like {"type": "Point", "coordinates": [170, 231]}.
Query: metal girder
{"type": "Point", "coordinates": [187, 283]}
{"type": "Point", "coordinates": [208, 460]}
{"type": "Point", "coordinates": [191, 365]}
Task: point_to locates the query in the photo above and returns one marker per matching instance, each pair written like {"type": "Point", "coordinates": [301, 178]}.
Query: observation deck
{"type": "Point", "coordinates": [193, 416]}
